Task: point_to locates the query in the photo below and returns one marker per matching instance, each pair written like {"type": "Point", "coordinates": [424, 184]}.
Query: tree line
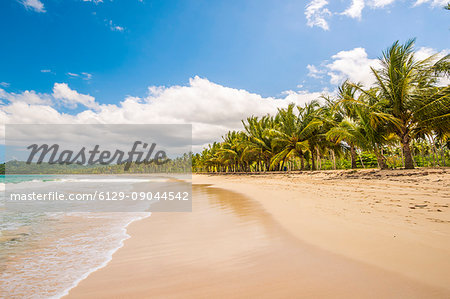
{"type": "Point", "coordinates": [403, 120]}
{"type": "Point", "coordinates": [181, 164]}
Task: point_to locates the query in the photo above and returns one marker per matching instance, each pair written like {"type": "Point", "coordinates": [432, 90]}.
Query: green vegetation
{"type": "Point", "coordinates": [178, 165]}
{"type": "Point", "coordinates": [401, 121]}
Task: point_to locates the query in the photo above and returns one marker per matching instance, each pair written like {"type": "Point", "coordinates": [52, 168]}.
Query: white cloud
{"type": "Point", "coordinates": [83, 75]}
{"type": "Point", "coordinates": [71, 98]}
{"type": "Point", "coordinates": [434, 3]}
{"type": "Point", "coordinates": [35, 5]}
{"type": "Point", "coordinates": [380, 3]}
{"type": "Point", "coordinates": [115, 27]}
{"type": "Point", "coordinates": [94, 1]}
{"type": "Point", "coordinates": [62, 94]}
{"type": "Point", "coordinates": [101, 1]}
{"type": "Point", "coordinates": [27, 97]}
{"type": "Point", "coordinates": [46, 71]}
{"type": "Point", "coordinates": [4, 84]}
{"type": "Point", "coordinates": [426, 52]}
{"type": "Point", "coordinates": [314, 72]}
{"type": "Point", "coordinates": [316, 14]}
{"type": "Point", "coordinates": [211, 108]}
{"type": "Point", "coordinates": [353, 65]}
{"type": "Point", "coordinates": [86, 76]}
{"type": "Point", "coordinates": [355, 9]}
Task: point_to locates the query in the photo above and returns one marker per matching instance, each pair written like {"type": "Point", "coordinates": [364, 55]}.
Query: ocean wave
{"type": "Point", "coordinates": [109, 256]}
{"type": "Point", "coordinates": [66, 255]}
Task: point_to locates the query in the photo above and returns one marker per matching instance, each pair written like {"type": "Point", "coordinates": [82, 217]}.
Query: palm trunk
{"type": "Point", "coordinates": [433, 155]}
{"type": "Point", "coordinates": [333, 157]}
{"type": "Point", "coordinates": [407, 154]}
{"type": "Point", "coordinates": [443, 156]}
{"type": "Point", "coordinates": [436, 155]}
{"type": "Point", "coordinates": [403, 159]}
{"type": "Point", "coordinates": [422, 155]}
{"type": "Point", "coordinates": [361, 160]}
{"type": "Point", "coordinates": [313, 159]}
{"type": "Point", "coordinates": [381, 160]}
{"type": "Point", "coordinates": [353, 155]}
{"type": "Point", "coordinates": [319, 160]}
{"type": "Point", "coordinates": [282, 164]}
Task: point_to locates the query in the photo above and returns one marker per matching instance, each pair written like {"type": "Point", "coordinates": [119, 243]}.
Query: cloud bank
{"type": "Point", "coordinates": [212, 109]}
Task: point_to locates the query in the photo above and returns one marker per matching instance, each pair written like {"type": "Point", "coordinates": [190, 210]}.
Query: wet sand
{"type": "Point", "coordinates": [235, 245]}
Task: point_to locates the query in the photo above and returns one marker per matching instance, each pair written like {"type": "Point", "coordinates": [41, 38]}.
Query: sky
{"type": "Point", "coordinates": [203, 62]}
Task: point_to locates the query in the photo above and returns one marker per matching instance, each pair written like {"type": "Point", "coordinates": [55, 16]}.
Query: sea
{"type": "Point", "coordinates": [45, 254]}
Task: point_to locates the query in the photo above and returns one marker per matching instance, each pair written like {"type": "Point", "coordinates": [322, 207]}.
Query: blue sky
{"type": "Point", "coordinates": [261, 46]}
{"type": "Point", "coordinates": [103, 52]}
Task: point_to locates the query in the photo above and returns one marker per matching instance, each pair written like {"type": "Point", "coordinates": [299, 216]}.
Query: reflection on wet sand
{"type": "Point", "coordinates": [246, 210]}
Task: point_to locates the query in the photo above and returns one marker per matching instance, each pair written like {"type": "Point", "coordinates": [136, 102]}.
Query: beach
{"type": "Point", "coordinates": [224, 149]}
{"type": "Point", "coordinates": [365, 233]}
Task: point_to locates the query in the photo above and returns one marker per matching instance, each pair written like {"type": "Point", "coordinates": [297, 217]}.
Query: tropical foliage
{"type": "Point", "coordinates": [403, 120]}
{"type": "Point", "coordinates": [181, 164]}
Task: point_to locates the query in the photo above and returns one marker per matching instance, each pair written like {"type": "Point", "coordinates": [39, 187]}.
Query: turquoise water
{"type": "Point", "coordinates": [19, 178]}
{"type": "Point", "coordinates": [63, 247]}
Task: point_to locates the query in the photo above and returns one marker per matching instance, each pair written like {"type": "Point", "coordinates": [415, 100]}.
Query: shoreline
{"type": "Point", "coordinates": [287, 211]}
{"type": "Point", "coordinates": [110, 255]}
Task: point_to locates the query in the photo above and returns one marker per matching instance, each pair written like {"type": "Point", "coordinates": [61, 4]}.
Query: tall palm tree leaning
{"type": "Point", "coordinates": [409, 92]}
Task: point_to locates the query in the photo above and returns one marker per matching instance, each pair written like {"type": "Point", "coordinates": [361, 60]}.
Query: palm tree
{"type": "Point", "coordinates": [409, 92]}
{"type": "Point", "coordinates": [231, 151]}
{"type": "Point", "coordinates": [345, 118]}
{"type": "Point", "coordinates": [209, 160]}
{"type": "Point", "coordinates": [295, 133]}
{"type": "Point", "coordinates": [347, 130]}
{"type": "Point", "coordinates": [258, 141]}
{"type": "Point", "coordinates": [285, 137]}
{"type": "Point", "coordinates": [368, 127]}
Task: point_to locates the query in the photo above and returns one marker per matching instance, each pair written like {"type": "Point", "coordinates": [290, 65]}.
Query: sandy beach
{"type": "Point", "coordinates": [339, 234]}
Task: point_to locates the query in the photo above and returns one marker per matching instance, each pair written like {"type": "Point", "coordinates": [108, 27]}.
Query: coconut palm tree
{"type": "Point", "coordinates": [295, 133]}
{"type": "Point", "coordinates": [349, 132]}
{"type": "Point", "coordinates": [258, 142]}
{"type": "Point", "coordinates": [368, 126]}
{"type": "Point", "coordinates": [344, 116]}
{"type": "Point", "coordinates": [231, 151]}
{"type": "Point", "coordinates": [409, 92]}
